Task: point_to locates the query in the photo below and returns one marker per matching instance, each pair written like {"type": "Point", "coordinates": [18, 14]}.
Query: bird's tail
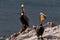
{"type": "Point", "coordinates": [24, 28]}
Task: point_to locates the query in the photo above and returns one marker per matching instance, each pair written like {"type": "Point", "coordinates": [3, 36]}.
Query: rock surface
{"type": "Point", "coordinates": [50, 33]}
{"type": "Point", "coordinates": [50, 24]}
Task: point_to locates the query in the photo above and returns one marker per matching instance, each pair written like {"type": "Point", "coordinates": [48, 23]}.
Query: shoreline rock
{"type": "Point", "coordinates": [30, 34]}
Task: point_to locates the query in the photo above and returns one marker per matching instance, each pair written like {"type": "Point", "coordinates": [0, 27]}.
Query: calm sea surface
{"type": "Point", "coordinates": [10, 13]}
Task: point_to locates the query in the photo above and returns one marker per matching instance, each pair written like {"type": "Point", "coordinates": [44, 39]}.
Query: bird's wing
{"type": "Point", "coordinates": [26, 18]}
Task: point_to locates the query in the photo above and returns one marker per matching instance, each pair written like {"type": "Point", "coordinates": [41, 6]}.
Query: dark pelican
{"type": "Point", "coordinates": [24, 19]}
{"type": "Point", "coordinates": [40, 30]}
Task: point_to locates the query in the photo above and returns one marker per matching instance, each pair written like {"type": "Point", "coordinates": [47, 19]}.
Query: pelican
{"type": "Point", "coordinates": [40, 30]}
{"type": "Point", "coordinates": [24, 19]}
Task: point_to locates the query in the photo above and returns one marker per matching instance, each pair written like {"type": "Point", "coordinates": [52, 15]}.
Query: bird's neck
{"type": "Point", "coordinates": [40, 24]}
{"type": "Point", "coordinates": [22, 10]}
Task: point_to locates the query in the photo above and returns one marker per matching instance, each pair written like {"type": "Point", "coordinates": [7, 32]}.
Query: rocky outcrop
{"type": "Point", "coordinates": [30, 34]}
{"type": "Point", "coordinates": [52, 32]}
{"type": "Point", "coordinates": [50, 24]}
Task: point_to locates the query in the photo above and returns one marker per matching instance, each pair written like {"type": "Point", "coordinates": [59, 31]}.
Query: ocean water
{"type": "Point", "coordinates": [10, 13]}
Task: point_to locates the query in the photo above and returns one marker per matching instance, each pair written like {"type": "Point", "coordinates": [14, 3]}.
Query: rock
{"type": "Point", "coordinates": [50, 24]}
{"type": "Point", "coordinates": [52, 33]}
{"type": "Point", "coordinates": [29, 34]}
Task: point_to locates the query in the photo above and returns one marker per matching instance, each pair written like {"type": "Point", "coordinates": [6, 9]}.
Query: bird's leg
{"type": "Point", "coordinates": [38, 36]}
{"type": "Point", "coordinates": [24, 28]}
{"type": "Point", "coordinates": [42, 38]}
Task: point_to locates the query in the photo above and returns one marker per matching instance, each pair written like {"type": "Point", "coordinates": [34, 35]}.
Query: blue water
{"type": "Point", "coordinates": [10, 13]}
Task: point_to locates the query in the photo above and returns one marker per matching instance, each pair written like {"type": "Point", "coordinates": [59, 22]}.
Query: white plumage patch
{"type": "Point", "coordinates": [21, 13]}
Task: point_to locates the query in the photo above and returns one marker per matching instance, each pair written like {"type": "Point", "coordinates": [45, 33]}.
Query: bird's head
{"type": "Point", "coordinates": [22, 5]}
{"type": "Point", "coordinates": [42, 17]}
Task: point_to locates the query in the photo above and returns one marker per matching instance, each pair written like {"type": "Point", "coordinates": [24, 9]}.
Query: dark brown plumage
{"type": "Point", "coordinates": [24, 20]}
{"type": "Point", "coordinates": [40, 31]}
